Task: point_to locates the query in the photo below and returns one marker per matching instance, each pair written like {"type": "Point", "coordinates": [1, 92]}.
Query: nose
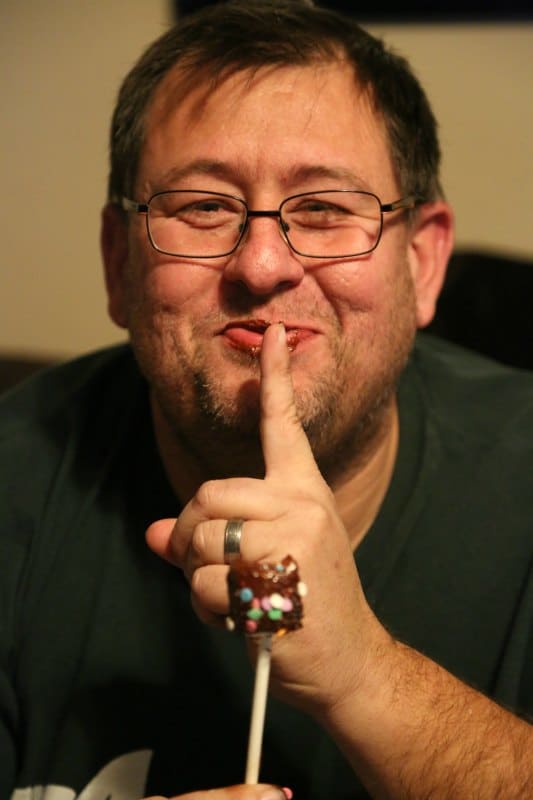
{"type": "Point", "coordinates": [264, 262]}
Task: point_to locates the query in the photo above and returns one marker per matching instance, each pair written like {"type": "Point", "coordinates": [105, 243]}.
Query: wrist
{"type": "Point", "coordinates": [361, 690]}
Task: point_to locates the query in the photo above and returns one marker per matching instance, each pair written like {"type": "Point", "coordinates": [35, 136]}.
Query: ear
{"type": "Point", "coordinates": [429, 250]}
{"type": "Point", "coordinates": [114, 247]}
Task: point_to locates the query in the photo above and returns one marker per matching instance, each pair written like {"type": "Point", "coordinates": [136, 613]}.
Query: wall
{"type": "Point", "coordinates": [61, 64]}
{"type": "Point", "coordinates": [478, 78]}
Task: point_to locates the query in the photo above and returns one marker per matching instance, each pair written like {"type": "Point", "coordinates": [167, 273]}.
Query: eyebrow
{"type": "Point", "coordinates": [212, 167]}
{"type": "Point", "coordinates": [305, 172]}
{"type": "Point", "coordinates": [297, 174]}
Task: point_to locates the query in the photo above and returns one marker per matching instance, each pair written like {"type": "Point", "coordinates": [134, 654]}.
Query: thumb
{"type": "Point", "coordinates": [158, 538]}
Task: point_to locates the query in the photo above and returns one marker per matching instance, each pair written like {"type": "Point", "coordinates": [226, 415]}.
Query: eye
{"type": "Point", "coordinates": [315, 212]}
{"type": "Point", "coordinates": [203, 207]}
{"type": "Point", "coordinates": [197, 210]}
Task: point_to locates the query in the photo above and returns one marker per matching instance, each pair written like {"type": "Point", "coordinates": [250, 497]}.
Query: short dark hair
{"type": "Point", "coordinates": [237, 35]}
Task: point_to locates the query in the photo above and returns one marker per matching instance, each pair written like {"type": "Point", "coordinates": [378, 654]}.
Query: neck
{"type": "Point", "coordinates": [359, 494]}
{"type": "Point", "coordinates": [359, 488]}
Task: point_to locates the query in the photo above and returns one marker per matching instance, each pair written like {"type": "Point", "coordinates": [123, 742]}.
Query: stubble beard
{"type": "Point", "coordinates": [340, 438]}
{"type": "Point", "coordinates": [221, 433]}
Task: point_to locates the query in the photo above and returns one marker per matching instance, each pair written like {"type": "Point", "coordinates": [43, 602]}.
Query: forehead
{"type": "Point", "coordinates": [265, 123]}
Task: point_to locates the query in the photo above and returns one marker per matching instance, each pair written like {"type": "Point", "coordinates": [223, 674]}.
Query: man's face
{"type": "Point", "coordinates": [196, 324]}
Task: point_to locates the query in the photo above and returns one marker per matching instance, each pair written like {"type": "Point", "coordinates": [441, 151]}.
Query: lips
{"type": "Point", "coordinates": [248, 334]}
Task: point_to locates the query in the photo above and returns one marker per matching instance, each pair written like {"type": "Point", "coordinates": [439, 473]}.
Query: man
{"type": "Point", "coordinates": [275, 235]}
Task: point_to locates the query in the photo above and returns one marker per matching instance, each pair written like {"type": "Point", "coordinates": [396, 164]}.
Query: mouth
{"type": "Point", "coordinates": [247, 335]}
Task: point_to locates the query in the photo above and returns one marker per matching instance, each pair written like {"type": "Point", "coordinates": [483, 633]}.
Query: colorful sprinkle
{"type": "Point", "coordinates": [276, 600]}
{"type": "Point", "coordinates": [275, 613]}
{"type": "Point", "coordinates": [287, 604]}
{"type": "Point", "coordinates": [265, 603]}
{"type": "Point", "coordinates": [246, 595]}
{"type": "Point", "coordinates": [254, 613]}
{"type": "Point", "coordinates": [301, 588]}
{"type": "Point", "coordinates": [250, 626]}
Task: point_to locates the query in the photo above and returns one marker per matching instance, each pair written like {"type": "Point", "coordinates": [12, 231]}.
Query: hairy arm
{"type": "Point", "coordinates": [414, 731]}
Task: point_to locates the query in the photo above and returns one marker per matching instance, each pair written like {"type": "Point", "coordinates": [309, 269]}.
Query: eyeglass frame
{"type": "Point", "coordinates": [406, 203]}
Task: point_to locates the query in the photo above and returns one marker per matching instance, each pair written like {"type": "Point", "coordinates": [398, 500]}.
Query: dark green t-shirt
{"type": "Point", "coordinates": [108, 682]}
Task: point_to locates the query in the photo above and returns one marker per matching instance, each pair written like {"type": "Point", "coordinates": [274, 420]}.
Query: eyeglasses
{"type": "Point", "coordinates": [326, 224]}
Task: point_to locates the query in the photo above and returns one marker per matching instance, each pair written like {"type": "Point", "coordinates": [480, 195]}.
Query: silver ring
{"type": "Point", "coordinates": [232, 540]}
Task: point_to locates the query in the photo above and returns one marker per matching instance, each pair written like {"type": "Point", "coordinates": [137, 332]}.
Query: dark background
{"type": "Point", "coordinates": [411, 10]}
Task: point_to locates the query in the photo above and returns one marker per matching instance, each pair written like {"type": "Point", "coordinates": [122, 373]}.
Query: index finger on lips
{"type": "Point", "coordinates": [286, 449]}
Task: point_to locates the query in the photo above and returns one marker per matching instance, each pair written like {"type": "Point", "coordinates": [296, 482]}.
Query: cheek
{"type": "Point", "coordinates": [172, 288]}
{"type": "Point", "coordinates": [353, 289]}
{"type": "Point", "coordinates": [374, 302]}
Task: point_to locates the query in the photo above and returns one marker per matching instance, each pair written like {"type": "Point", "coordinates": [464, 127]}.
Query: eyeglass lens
{"type": "Point", "coordinates": [316, 224]}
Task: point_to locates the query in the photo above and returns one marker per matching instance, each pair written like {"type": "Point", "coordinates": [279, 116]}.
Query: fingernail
{"type": "Point", "coordinates": [277, 794]}
{"type": "Point", "coordinates": [280, 331]}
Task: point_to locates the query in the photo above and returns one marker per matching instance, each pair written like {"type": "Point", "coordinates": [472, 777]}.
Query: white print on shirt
{"type": "Point", "coordinates": [124, 778]}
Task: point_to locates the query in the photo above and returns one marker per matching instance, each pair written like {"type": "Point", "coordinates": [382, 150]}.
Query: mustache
{"type": "Point", "coordinates": [264, 314]}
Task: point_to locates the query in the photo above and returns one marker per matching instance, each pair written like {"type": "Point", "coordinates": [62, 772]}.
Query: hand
{"type": "Point", "coordinates": [291, 511]}
{"type": "Point", "coordinates": [241, 792]}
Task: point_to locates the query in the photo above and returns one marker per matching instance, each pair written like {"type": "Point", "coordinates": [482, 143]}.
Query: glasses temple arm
{"type": "Point", "coordinates": [131, 205]}
{"type": "Point", "coordinates": [411, 201]}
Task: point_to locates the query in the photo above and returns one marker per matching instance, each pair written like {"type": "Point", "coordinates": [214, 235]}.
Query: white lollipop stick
{"type": "Point", "coordinates": [257, 721]}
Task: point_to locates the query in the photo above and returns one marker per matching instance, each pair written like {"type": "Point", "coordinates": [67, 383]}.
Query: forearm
{"type": "Point", "coordinates": [415, 731]}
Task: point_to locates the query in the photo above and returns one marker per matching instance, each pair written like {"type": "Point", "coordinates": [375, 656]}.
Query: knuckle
{"type": "Point", "coordinates": [207, 494]}
{"type": "Point", "coordinates": [201, 589]}
{"type": "Point", "coordinates": [197, 543]}
{"type": "Point", "coordinates": [317, 515]}
{"type": "Point", "coordinates": [197, 582]}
